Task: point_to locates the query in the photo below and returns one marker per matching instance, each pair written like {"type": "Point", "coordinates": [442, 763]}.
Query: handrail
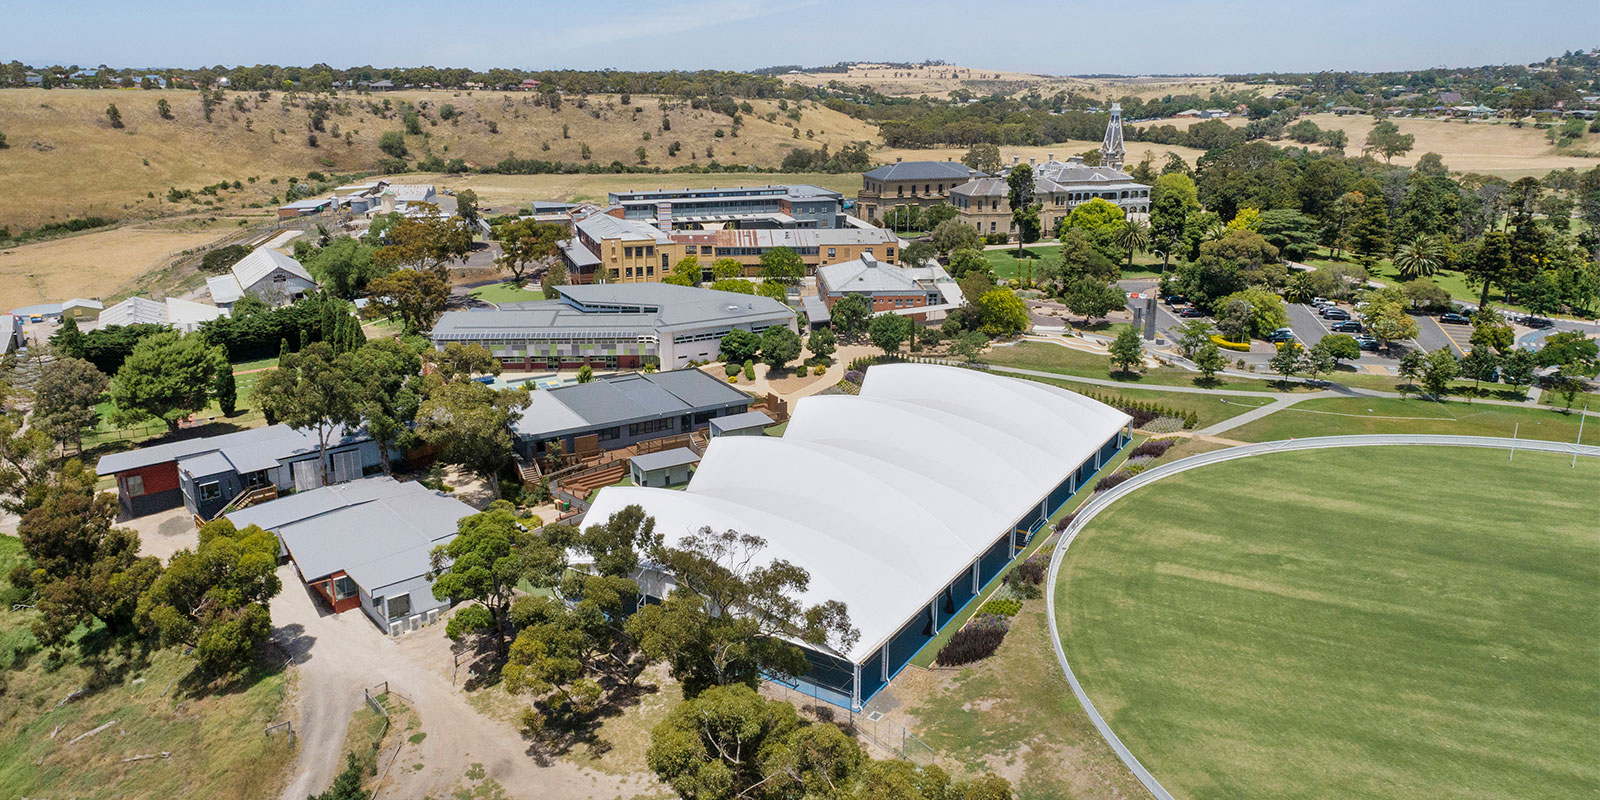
{"type": "Point", "coordinates": [1101, 500]}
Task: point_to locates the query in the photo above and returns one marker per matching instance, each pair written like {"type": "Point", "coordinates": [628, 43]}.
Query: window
{"type": "Point", "coordinates": [627, 273]}
{"type": "Point", "coordinates": [399, 606]}
{"type": "Point", "coordinates": [344, 588]}
{"type": "Point", "coordinates": [650, 250]}
{"type": "Point", "coordinates": [135, 484]}
{"type": "Point", "coordinates": [627, 252]}
{"type": "Point", "coordinates": [210, 491]}
{"type": "Point", "coordinates": [833, 252]}
{"type": "Point", "coordinates": [705, 249]}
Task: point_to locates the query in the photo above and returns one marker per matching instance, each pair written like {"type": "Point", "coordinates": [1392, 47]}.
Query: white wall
{"type": "Point", "coordinates": [422, 601]}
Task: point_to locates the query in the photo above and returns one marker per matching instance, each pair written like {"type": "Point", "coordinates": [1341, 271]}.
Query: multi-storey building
{"type": "Point", "coordinates": [606, 246]}
{"type": "Point", "coordinates": [916, 183]}
{"type": "Point", "coordinates": [1058, 186]}
{"type": "Point", "coordinates": [773, 206]}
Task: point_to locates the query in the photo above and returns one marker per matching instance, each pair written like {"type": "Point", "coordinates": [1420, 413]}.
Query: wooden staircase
{"type": "Point", "coordinates": [580, 484]}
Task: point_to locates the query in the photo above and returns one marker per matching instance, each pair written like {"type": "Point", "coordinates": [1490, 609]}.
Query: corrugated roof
{"type": "Point", "coordinates": [741, 422]}
{"type": "Point", "coordinates": [867, 275]}
{"type": "Point", "coordinates": [261, 262]}
{"type": "Point", "coordinates": [248, 450]}
{"type": "Point", "coordinates": [922, 171]}
{"type": "Point", "coordinates": [652, 309]}
{"type": "Point", "coordinates": [135, 311]}
{"type": "Point", "coordinates": [224, 288]}
{"type": "Point", "coordinates": [377, 530]}
{"type": "Point", "coordinates": [662, 459]}
{"type": "Point", "coordinates": [620, 399]}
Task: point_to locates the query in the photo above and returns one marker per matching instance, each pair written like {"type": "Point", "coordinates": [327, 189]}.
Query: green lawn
{"type": "Point", "coordinates": [505, 293]}
{"type": "Point", "coordinates": [258, 364]}
{"type": "Point", "coordinates": [1067, 361]}
{"type": "Point", "coordinates": [1208, 409]}
{"type": "Point", "coordinates": [1005, 264]}
{"type": "Point", "coordinates": [1337, 416]}
{"type": "Point", "coordinates": [1363, 623]}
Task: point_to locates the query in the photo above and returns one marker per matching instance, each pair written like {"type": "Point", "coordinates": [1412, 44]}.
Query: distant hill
{"type": "Point", "coordinates": [65, 160]}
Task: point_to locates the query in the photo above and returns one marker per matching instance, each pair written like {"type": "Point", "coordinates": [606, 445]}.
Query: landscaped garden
{"type": "Point", "coordinates": [1380, 622]}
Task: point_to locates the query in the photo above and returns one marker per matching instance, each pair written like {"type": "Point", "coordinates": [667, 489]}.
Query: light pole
{"type": "Point", "coordinates": [1163, 254]}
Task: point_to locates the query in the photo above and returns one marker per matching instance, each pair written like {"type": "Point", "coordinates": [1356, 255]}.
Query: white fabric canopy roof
{"type": "Point", "coordinates": [885, 498]}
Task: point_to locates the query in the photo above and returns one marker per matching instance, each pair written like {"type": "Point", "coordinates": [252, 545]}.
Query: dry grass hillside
{"type": "Point", "coordinates": [73, 163]}
{"type": "Point", "coordinates": [1488, 147]}
{"type": "Point", "coordinates": [1157, 153]}
{"type": "Point", "coordinates": [941, 80]}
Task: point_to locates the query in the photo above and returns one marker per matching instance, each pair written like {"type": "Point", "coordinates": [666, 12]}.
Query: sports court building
{"type": "Point", "coordinates": [902, 502]}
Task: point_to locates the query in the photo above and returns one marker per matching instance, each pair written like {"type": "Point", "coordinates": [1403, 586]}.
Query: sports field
{"type": "Point", "coordinates": [1359, 623]}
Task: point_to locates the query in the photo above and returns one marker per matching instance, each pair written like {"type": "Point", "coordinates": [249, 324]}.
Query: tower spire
{"type": "Point", "coordinates": [1111, 149]}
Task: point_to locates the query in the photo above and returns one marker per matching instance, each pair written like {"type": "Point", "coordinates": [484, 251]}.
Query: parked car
{"type": "Point", "coordinates": [1536, 322]}
{"type": "Point", "coordinates": [1175, 300]}
{"type": "Point", "coordinates": [1190, 312]}
{"type": "Point", "coordinates": [1335, 313]}
{"type": "Point", "coordinates": [1453, 318]}
{"type": "Point", "coordinates": [1367, 343]}
{"type": "Point", "coordinates": [1347, 326]}
{"type": "Point", "coordinates": [1320, 301]}
{"type": "Point", "coordinates": [1281, 335]}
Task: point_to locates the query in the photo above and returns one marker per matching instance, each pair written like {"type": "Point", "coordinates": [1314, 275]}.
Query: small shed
{"type": "Point", "coordinates": [665, 468]}
{"type": "Point", "coordinates": [750, 423]}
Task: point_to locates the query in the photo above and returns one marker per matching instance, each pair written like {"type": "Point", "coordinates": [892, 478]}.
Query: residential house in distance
{"type": "Point", "coordinates": [613, 326]}
{"type": "Point", "coordinates": [917, 183]}
{"type": "Point", "coordinates": [616, 411]}
{"type": "Point", "coordinates": [274, 278]}
{"type": "Point", "coordinates": [888, 288]}
{"type": "Point", "coordinates": [205, 474]}
{"type": "Point", "coordinates": [181, 315]}
{"type": "Point", "coordinates": [365, 544]}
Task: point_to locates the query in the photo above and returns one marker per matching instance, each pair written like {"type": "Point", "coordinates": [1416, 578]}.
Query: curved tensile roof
{"type": "Point", "coordinates": [884, 498]}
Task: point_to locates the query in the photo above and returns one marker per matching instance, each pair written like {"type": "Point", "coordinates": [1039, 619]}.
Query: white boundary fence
{"type": "Point", "coordinates": [1104, 499]}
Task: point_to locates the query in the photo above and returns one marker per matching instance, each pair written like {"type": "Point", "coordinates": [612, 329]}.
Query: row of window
{"type": "Point", "coordinates": [645, 251]}
{"type": "Point", "coordinates": [652, 426]}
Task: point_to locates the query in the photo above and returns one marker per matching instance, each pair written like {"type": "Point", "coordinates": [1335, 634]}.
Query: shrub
{"type": "Point", "coordinates": [749, 370]}
{"type": "Point", "coordinates": [222, 258]}
{"type": "Point", "coordinates": [1065, 521]}
{"type": "Point", "coordinates": [861, 363]}
{"type": "Point", "coordinates": [819, 369]}
{"type": "Point", "coordinates": [1242, 347]}
{"type": "Point", "coordinates": [976, 640]}
{"type": "Point", "coordinates": [1111, 480]}
{"type": "Point", "coordinates": [1006, 607]}
{"type": "Point", "coordinates": [1153, 447]}
{"type": "Point", "coordinates": [1032, 570]}
{"type": "Point", "coordinates": [854, 376]}
{"type": "Point", "coordinates": [733, 379]}
{"type": "Point", "coordinates": [731, 368]}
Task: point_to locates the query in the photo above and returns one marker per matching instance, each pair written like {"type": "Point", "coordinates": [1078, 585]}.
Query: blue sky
{"type": "Point", "coordinates": [1065, 37]}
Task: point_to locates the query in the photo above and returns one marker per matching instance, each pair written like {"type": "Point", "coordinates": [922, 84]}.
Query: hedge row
{"type": "Point", "coordinates": [1240, 347]}
{"type": "Point", "coordinates": [1144, 412]}
{"type": "Point", "coordinates": [976, 640]}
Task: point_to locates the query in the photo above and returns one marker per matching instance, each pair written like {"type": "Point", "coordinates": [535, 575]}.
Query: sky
{"type": "Point", "coordinates": [1058, 38]}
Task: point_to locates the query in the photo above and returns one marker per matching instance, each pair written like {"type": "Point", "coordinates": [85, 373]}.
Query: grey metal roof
{"type": "Point", "coordinates": [650, 309]}
{"type": "Point", "coordinates": [621, 399]}
{"type": "Point", "coordinates": [741, 422]}
{"type": "Point", "coordinates": [212, 463]}
{"type": "Point", "coordinates": [577, 253]}
{"type": "Point", "coordinates": [867, 275]}
{"type": "Point", "coordinates": [662, 459]}
{"type": "Point", "coordinates": [816, 310]}
{"type": "Point", "coordinates": [922, 171]}
{"type": "Point", "coordinates": [248, 450]}
{"type": "Point", "coordinates": [375, 529]}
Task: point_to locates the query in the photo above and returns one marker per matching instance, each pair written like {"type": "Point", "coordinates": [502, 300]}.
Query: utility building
{"type": "Point", "coordinates": [902, 502]}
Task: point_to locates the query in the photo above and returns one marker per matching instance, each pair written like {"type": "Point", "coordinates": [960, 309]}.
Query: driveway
{"type": "Point", "coordinates": [164, 533]}
{"type": "Point", "coordinates": [337, 655]}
